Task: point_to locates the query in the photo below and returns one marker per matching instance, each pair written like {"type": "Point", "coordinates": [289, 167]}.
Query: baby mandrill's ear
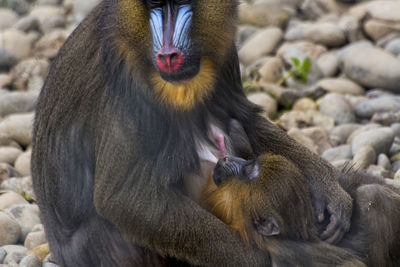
{"type": "Point", "coordinates": [268, 227]}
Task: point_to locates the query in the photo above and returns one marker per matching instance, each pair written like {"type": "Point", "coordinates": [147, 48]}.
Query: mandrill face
{"type": "Point", "coordinates": [189, 40]}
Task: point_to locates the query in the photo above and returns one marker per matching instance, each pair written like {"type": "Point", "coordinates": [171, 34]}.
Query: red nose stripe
{"type": "Point", "coordinates": [169, 61]}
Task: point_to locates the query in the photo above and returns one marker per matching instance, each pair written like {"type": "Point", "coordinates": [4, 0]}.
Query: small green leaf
{"type": "Point", "coordinates": [306, 66]}
{"type": "Point", "coordinates": [296, 61]}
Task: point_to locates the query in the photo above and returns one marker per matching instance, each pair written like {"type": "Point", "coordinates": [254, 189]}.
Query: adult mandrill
{"type": "Point", "coordinates": [136, 103]}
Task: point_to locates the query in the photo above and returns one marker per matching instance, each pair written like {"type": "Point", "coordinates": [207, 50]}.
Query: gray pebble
{"type": "Point", "coordinates": [386, 118]}
{"type": "Point", "coordinates": [9, 199]}
{"type": "Point", "coordinates": [27, 216]}
{"type": "Point", "coordinates": [340, 133]}
{"type": "Point", "coordinates": [35, 239]}
{"type": "Point", "coordinates": [384, 161]}
{"type": "Point", "coordinates": [364, 157]}
{"type": "Point", "coordinates": [379, 139]}
{"type": "Point", "coordinates": [15, 253]}
{"type": "Point", "coordinates": [338, 153]}
{"type": "Point", "coordinates": [396, 166]}
{"type": "Point", "coordinates": [396, 128]}
{"type": "Point", "coordinates": [30, 261]}
{"type": "Point", "coordinates": [368, 108]}
{"type": "Point", "coordinates": [337, 107]}
{"type": "Point", "coordinates": [3, 254]}
{"type": "Point", "coordinates": [10, 230]}
{"type": "Point", "coordinates": [378, 171]}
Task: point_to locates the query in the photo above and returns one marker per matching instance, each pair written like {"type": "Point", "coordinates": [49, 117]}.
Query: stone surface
{"type": "Point", "coordinates": [10, 230]}
{"type": "Point", "coordinates": [369, 107]}
{"type": "Point", "coordinates": [342, 152]}
{"type": "Point", "coordinates": [7, 18]}
{"type": "Point", "coordinates": [337, 107]}
{"type": "Point", "coordinates": [297, 135]}
{"type": "Point", "coordinates": [379, 139]}
{"type": "Point", "coordinates": [27, 217]}
{"type": "Point", "coordinates": [262, 14]}
{"type": "Point", "coordinates": [17, 102]}
{"type": "Point", "coordinates": [269, 104]}
{"type": "Point", "coordinates": [17, 127]}
{"type": "Point", "coordinates": [9, 154]}
{"type": "Point", "coordinates": [35, 239]}
{"type": "Point", "coordinates": [304, 104]}
{"type": "Point", "coordinates": [10, 198]}
{"type": "Point", "coordinates": [23, 163]}
{"type": "Point", "coordinates": [363, 157]}
{"type": "Point", "coordinates": [328, 64]}
{"type": "Point", "coordinates": [260, 44]}
{"type": "Point", "coordinates": [30, 261]}
{"type": "Point", "coordinates": [16, 42]}
{"type": "Point", "coordinates": [341, 86]}
{"type": "Point", "coordinates": [371, 67]}
{"type": "Point", "coordinates": [15, 253]}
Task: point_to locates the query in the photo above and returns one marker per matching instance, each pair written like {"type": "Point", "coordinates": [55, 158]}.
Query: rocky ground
{"type": "Point", "coordinates": [326, 71]}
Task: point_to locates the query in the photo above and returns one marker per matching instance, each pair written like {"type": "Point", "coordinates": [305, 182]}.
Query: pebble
{"type": "Point", "coordinates": [7, 18]}
{"type": "Point", "coordinates": [16, 42]}
{"type": "Point", "coordinates": [15, 253]}
{"type": "Point", "coordinates": [304, 104]}
{"type": "Point", "coordinates": [328, 64]}
{"type": "Point", "coordinates": [319, 136]}
{"type": "Point", "coordinates": [260, 44]}
{"type": "Point", "coordinates": [378, 171]}
{"type": "Point", "coordinates": [371, 67]}
{"type": "Point", "coordinates": [26, 70]}
{"type": "Point", "coordinates": [388, 10]}
{"type": "Point", "coordinates": [268, 104]}
{"type": "Point", "coordinates": [34, 239]}
{"type": "Point", "coordinates": [17, 102]}
{"type": "Point", "coordinates": [30, 261]}
{"type": "Point", "coordinates": [271, 70]}
{"type": "Point", "coordinates": [7, 171]}
{"type": "Point", "coordinates": [379, 139]}
{"type": "Point", "coordinates": [306, 141]}
{"type": "Point", "coordinates": [9, 199]}
{"type": "Point", "coordinates": [327, 34]}
{"type": "Point", "coordinates": [384, 161]}
{"type": "Point", "coordinates": [17, 127]}
{"type": "Point", "coordinates": [10, 230]}
{"type": "Point", "coordinates": [3, 254]}
{"type": "Point", "coordinates": [342, 152]}
{"type": "Point", "coordinates": [27, 217]}
{"type": "Point", "coordinates": [261, 14]}
{"type": "Point", "coordinates": [367, 108]}
{"type": "Point", "coordinates": [364, 157]}
{"type": "Point", "coordinates": [341, 133]}
{"type": "Point", "coordinates": [386, 118]}
{"type": "Point", "coordinates": [341, 86]}
{"type": "Point", "coordinates": [9, 154]}
{"type": "Point", "coordinates": [338, 108]}
{"type": "Point", "coordinates": [393, 47]}
{"type": "Point", "coordinates": [23, 163]}
{"type": "Point", "coordinates": [18, 185]}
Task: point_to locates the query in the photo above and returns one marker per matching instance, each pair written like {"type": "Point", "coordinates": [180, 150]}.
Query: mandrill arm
{"type": "Point", "coordinates": [137, 196]}
{"type": "Point", "coordinates": [321, 176]}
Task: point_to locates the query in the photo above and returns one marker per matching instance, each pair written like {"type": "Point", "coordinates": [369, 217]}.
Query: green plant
{"type": "Point", "coordinates": [299, 70]}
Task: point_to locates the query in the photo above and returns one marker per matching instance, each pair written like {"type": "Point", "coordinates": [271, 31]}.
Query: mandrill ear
{"type": "Point", "coordinates": [268, 227]}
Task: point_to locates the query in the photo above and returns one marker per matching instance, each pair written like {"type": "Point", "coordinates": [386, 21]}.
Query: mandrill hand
{"type": "Point", "coordinates": [338, 204]}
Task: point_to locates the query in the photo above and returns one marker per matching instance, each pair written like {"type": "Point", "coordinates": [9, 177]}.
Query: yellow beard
{"type": "Point", "coordinates": [185, 95]}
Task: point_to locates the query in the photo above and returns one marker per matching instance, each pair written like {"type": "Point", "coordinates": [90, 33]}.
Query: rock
{"type": "Point", "coordinates": [50, 2]}
{"type": "Point", "coordinates": [49, 264]}
{"type": "Point", "coordinates": [5, 80]}
{"type": "Point", "coordinates": [49, 45]}
{"type": "Point", "coordinates": [3, 254]}
{"type": "Point", "coordinates": [82, 8]}
{"type": "Point", "coordinates": [395, 148]}
{"type": "Point", "coordinates": [338, 153]}
{"type": "Point", "coordinates": [341, 133]}
{"type": "Point", "coordinates": [384, 10]}
{"type": "Point", "coordinates": [10, 230]}
{"type": "Point", "coordinates": [297, 135]}
{"type": "Point", "coordinates": [371, 67]}
{"type": "Point", "coordinates": [17, 127]}
{"type": "Point", "coordinates": [327, 34]}
{"type": "Point", "coordinates": [378, 171]}
{"type": "Point", "coordinates": [35, 239]}
{"type": "Point", "coordinates": [20, 6]}
{"type": "Point", "coordinates": [46, 16]}
{"type": "Point", "coordinates": [379, 139]}
{"type": "Point", "coordinates": [294, 119]}
{"type": "Point", "coordinates": [7, 171]}
{"type": "Point", "coordinates": [272, 89]}
{"type": "Point", "coordinates": [361, 129]}
{"type": "Point", "coordinates": [262, 14]}
{"type": "Point", "coordinates": [319, 136]}
{"type": "Point", "coordinates": [269, 104]}
{"type": "Point", "coordinates": [369, 107]}
{"type": "Point", "coordinates": [19, 185]}
{"type": "Point", "coordinates": [396, 128]}
{"type": "Point", "coordinates": [9, 154]}
{"type": "Point", "coordinates": [289, 96]}
{"type": "Point", "coordinates": [395, 157]}
{"type": "Point", "coordinates": [396, 165]}
{"type": "Point", "coordinates": [386, 118]}
{"type": "Point", "coordinates": [341, 86]}
{"type": "Point", "coordinates": [16, 42]}
{"type": "Point", "coordinates": [26, 69]}
{"type": "Point", "coordinates": [393, 47]}
{"type": "Point", "coordinates": [27, 24]}
{"type": "Point", "coordinates": [40, 252]}
{"type": "Point", "coordinates": [244, 33]}
{"type": "Point", "coordinates": [23, 163]}
{"type": "Point", "coordinates": [397, 175]}
{"type": "Point", "coordinates": [15, 253]}
{"type": "Point", "coordinates": [363, 157]}
{"type": "Point", "coordinates": [260, 44]}
{"type": "Point", "coordinates": [337, 107]}
{"type": "Point", "coordinates": [377, 29]}
{"type": "Point", "coordinates": [17, 102]}
{"type": "Point", "coordinates": [271, 70]}
{"type": "Point", "coordinates": [27, 217]}
{"type": "Point", "coordinates": [7, 59]}
{"type": "Point", "coordinates": [328, 64]}
{"type": "Point", "coordinates": [7, 18]}
{"type": "Point", "coordinates": [304, 104]}
{"type": "Point", "coordinates": [30, 261]}
{"type": "Point", "coordinates": [384, 162]}
{"type": "Point", "coordinates": [313, 9]}
{"type": "Point", "coordinates": [10, 198]}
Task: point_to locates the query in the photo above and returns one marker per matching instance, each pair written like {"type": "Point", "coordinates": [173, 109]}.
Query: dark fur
{"type": "Point", "coordinates": [109, 158]}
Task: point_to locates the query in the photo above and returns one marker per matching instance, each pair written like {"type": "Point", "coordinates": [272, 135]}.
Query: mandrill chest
{"type": "Point", "coordinates": [208, 153]}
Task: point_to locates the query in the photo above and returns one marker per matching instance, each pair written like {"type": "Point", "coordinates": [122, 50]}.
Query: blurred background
{"type": "Point", "coordinates": [326, 71]}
